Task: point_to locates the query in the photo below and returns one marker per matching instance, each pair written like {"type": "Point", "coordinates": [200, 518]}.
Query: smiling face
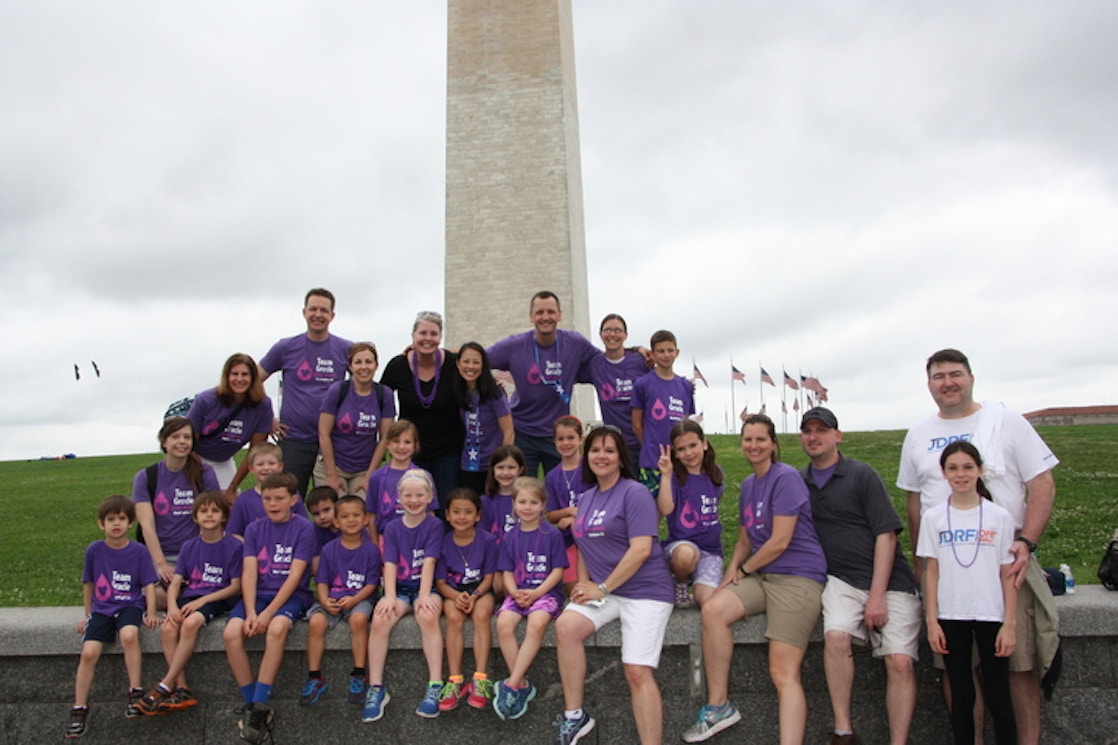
{"type": "Point", "coordinates": [819, 441]}
{"type": "Point", "coordinates": [264, 465]}
{"type": "Point", "coordinates": [664, 354]}
{"type": "Point", "coordinates": [351, 517]}
{"type": "Point", "coordinates": [505, 473]}
{"type": "Point", "coordinates": [567, 441]}
{"type": "Point", "coordinates": [545, 316]}
{"type": "Point", "coordinates": [604, 458]}
{"type": "Point", "coordinates": [528, 506]}
{"type": "Point", "coordinates": [690, 449]}
{"type": "Point", "coordinates": [179, 443]}
{"type": "Point", "coordinates": [962, 472]}
{"type": "Point", "coordinates": [758, 445]}
{"type": "Point", "coordinates": [363, 365]}
{"type": "Point", "coordinates": [427, 337]}
{"type": "Point", "coordinates": [240, 379]}
{"type": "Point", "coordinates": [402, 448]}
{"type": "Point", "coordinates": [462, 515]}
{"type": "Point", "coordinates": [209, 517]}
{"type": "Point", "coordinates": [613, 335]}
{"type": "Point", "coordinates": [414, 496]}
{"type": "Point", "coordinates": [469, 365]}
{"type": "Point", "coordinates": [952, 388]}
{"type": "Point", "coordinates": [318, 313]}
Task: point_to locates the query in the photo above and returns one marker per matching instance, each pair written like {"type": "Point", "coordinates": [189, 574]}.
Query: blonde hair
{"type": "Point", "coordinates": [530, 485]}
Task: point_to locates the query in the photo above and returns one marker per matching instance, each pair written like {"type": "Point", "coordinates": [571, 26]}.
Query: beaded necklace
{"type": "Point", "coordinates": [977, 537]}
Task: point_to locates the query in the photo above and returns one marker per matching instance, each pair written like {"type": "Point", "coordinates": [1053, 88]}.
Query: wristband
{"type": "Point", "coordinates": [743, 570]}
{"type": "Point", "coordinates": [1031, 546]}
{"type": "Point", "coordinates": [603, 588]}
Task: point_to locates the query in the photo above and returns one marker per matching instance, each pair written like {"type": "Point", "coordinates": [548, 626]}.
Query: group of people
{"type": "Point", "coordinates": [426, 502]}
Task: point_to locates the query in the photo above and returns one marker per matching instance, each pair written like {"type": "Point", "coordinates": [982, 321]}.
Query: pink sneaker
{"type": "Point", "coordinates": [452, 695]}
{"type": "Point", "coordinates": [480, 693]}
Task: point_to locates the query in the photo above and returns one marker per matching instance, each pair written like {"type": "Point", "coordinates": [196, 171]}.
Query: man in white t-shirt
{"type": "Point", "coordinates": [1018, 471]}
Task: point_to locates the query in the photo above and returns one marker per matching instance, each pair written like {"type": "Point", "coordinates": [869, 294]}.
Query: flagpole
{"type": "Point", "coordinates": [733, 400]}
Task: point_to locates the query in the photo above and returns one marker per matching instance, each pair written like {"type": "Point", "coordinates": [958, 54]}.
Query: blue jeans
{"type": "Point", "coordinates": [537, 450]}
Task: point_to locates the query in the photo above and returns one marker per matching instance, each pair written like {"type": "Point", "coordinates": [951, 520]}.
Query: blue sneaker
{"type": "Point", "coordinates": [312, 691]}
{"type": "Point", "coordinates": [376, 698]}
{"type": "Point", "coordinates": [520, 703]}
{"type": "Point", "coordinates": [572, 730]}
{"type": "Point", "coordinates": [429, 706]}
{"type": "Point", "coordinates": [504, 699]}
{"type": "Point", "coordinates": [356, 693]}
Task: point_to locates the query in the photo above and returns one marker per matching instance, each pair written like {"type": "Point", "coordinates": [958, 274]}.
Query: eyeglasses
{"type": "Point", "coordinates": [612, 330]}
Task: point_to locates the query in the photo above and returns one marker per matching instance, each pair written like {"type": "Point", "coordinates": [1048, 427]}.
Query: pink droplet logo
{"type": "Point", "coordinates": [403, 568]}
{"type": "Point", "coordinates": [606, 392]}
{"type": "Point", "coordinates": [161, 505]}
{"type": "Point", "coordinates": [688, 518]}
{"type": "Point", "coordinates": [345, 424]}
{"type": "Point", "coordinates": [265, 564]}
{"type": "Point", "coordinates": [534, 375]}
{"type": "Point", "coordinates": [102, 589]}
{"type": "Point", "coordinates": [304, 372]}
{"type": "Point", "coordinates": [658, 411]}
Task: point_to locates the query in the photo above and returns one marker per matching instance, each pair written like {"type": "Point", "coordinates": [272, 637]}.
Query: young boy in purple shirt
{"type": "Point", "coordinates": [118, 594]}
{"type": "Point", "coordinates": [659, 401]}
{"type": "Point", "coordinates": [277, 558]}
{"type": "Point", "coordinates": [264, 460]}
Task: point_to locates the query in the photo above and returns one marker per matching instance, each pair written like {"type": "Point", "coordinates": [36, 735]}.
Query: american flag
{"type": "Point", "coordinates": [698, 375]}
{"type": "Point", "coordinates": [790, 381]}
{"type": "Point", "coordinates": [736, 374]}
{"type": "Point", "coordinates": [783, 407]}
{"type": "Point", "coordinates": [766, 378]}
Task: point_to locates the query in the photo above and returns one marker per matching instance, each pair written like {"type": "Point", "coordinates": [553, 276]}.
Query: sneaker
{"type": "Point", "coordinates": [452, 695]}
{"type": "Point", "coordinates": [429, 706]}
{"type": "Point", "coordinates": [181, 698]}
{"type": "Point", "coordinates": [520, 702]}
{"type": "Point", "coordinates": [356, 693]}
{"type": "Point", "coordinates": [572, 730]}
{"type": "Point", "coordinates": [481, 693]}
{"type": "Point", "coordinates": [851, 739]}
{"type": "Point", "coordinates": [76, 726]}
{"type": "Point", "coordinates": [312, 691]}
{"type": "Point", "coordinates": [376, 698]}
{"type": "Point", "coordinates": [682, 596]}
{"type": "Point", "coordinates": [133, 711]}
{"type": "Point", "coordinates": [256, 727]}
{"type": "Point", "coordinates": [710, 721]}
{"type": "Point", "coordinates": [504, 699]}
{"type": "Point", "coordinates": [155, 701]}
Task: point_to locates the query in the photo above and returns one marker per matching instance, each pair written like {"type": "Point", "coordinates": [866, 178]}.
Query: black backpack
{"type": "Point", "coordinates": [1108, 567]}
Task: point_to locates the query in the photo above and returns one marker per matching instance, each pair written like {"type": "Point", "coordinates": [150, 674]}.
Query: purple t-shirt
{"type": "Point", "coordinates": [544, 376]}
{"type": "Point", "coordinates": [346, 571]}
{"type": "Point", "coordinates": [173, 504]}
{"type": "Point", "coordinates": [664, 402]}
{"type": "Point", "coordinates": [119, 576]}
{"type": "Point", "coordinates": [209, 567]}
{"type": "Point", "coordinates": [357, 423]}
{"type": "Point", "coordinates": [602, 529]}
{"type": "Point", "coordinates": [614, 380]}
{"type": "Point", "coordinates": [564, 488]}
{"type": "Point", "coordinates": [382, 498]}
{"type": "Point", "coordinates": [322, 536]}
{"type": "Point", "coordinates": [207, 413]}
{"type": "Point", "coordinates": [695, 517]}
{"type": "Point", "coordinates": [782, 491]}
{"type": "Point", "coordinates": [407, 548]}
{"type": "Point", "coordinates": [532, 555]}
{"type": "Point", "coordinates": [308, 368]}
{"type": "Point", "coordinates": [461, 566]}
{"type": "Point", "coordinates": [275, 546]}
{"type": "Point", "coordinates": [483, 431]}
{"type": "Point", "coordinates": [497, 517]}
{"type": "Point", "coordinates": [249, 508]}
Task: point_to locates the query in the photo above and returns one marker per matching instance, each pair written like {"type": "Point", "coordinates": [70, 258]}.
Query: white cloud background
{"type": "Point", "coordinates": [841, 189]}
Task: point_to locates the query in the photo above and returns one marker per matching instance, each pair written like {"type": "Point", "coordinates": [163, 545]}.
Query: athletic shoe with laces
{"type": "Point", "coordinates": [452, 694]}
{"type": "Point", "coordinates": [710, 721]}
{"type": "Point", "coordinates": [76, 726]}
{"type": "Point", "coordinates": [376, 698]}
{"type": "Point", "coordinates": [504, 699]}
{"type": "Point", "coordinates": [356, 693]}
{"type": "Point", "coordinates": [850, 739]}
{"type": "Point", "coordinates": [520, 703]}
{"type": "Point", "coordinates": [133, 711]}
{"type": "Point", "coordinates": [155, 701]}
{"type": "Point", "coordinates": [572, 730]}
{"type": "Point", "coordinates": [181, 698]}
{"type": "Point", "coordinates": [256, 727]}
{"type": "Point", "coordinates": [429, 706]}
{"type": "Point", "coordinates": [481, 693]}
{"type": "Point", "coordinates": [312, 691]}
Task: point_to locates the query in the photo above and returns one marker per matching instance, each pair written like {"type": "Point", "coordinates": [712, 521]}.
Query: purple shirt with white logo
{"type": "Point", "coordinates": [483, 430]}
{"type": "Point", "coordinates": [467, 565]}
{"type": "Point", "coordinates": [207, 414]}
{"type": "Point", "coordinates": [357, 423]}
{"type": "Point", "coordinates": [695, 517]}
{"type": "Point", "coordinates": [544, 376]}
{"type": "Point", "coordinates": [119, 576]}
{"type": "Point", "coordinates": [605, 523]}
{"type": "Point", "coordinates": [614, 381]}
{"type": "Point", "coordinates": [382, 498]}
{"type": "Point", "coordinates": [249, 508]}
{"type": "Point", "coordinates": [407, 548]}
{"type": "Point", "coordinates": [173, 504]}
{"type": "Point", "coordinates": [564, 488]}
{"type": "Point", "coordinates": [275, 546]}
{"type": "Point", "coordinates": [308, 368]}
{"type": "Point", "coordinates": [532, 555]}
{"type": "Point", "coordinates": [664, 402]}
{"type": "Point", "coordinates": [346, 571]}
{"type": "Point", "coordinates": [208, 567]}
{"type": "Point", "coordinates": [782, 492]}
{"type": "Point", "coordinates": [497, 517]}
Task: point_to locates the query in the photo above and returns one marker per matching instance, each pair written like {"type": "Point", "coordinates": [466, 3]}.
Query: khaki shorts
{"type": "Point", "coordinates": [791, 604]}
{"type": "Point", "coordinates": [351, 480]}
{"type": "Point", "coordinates": [844, 609]}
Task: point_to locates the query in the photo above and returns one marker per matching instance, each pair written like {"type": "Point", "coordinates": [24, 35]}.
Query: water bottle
{"type": "Point", "coordinates": [1069, 579]}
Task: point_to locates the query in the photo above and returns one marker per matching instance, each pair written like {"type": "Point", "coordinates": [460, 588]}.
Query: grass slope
{"type": "Point", "coordinates": [48, 508]}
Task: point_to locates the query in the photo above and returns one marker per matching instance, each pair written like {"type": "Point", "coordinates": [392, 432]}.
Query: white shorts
{"type": "Point", "coordinates": [844, 608]}
{"type": "Point", "coordinates": [225, 470]}
{"type": "Point", "coordinates": [643, 623]}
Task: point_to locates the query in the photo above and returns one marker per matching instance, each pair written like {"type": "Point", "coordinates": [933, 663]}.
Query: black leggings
{"type": "Point", "coordinates": [995, 680]}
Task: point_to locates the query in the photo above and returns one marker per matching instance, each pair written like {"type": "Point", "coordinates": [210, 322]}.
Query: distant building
{"type": "Point", "coordinates": [1074, 415]}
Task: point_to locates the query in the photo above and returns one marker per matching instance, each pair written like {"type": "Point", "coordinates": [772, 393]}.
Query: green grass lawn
{"type": "Point", "coordinates": [48, 508]}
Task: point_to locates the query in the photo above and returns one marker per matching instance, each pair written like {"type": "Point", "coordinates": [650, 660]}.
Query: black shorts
{"type": "Point", "coordinates": [102, 628]}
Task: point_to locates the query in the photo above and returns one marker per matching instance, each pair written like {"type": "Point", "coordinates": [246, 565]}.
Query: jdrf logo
{"type": "Point", "coordinates": [939, 443]}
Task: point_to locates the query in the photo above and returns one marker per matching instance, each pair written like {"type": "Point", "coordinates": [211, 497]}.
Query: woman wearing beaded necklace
{"type": "Point", "coordinates": [965, 542]}
{"type": "Point", "coordinates": [622, 575]}
{"type": "Point", "coordinates": [422, 378]}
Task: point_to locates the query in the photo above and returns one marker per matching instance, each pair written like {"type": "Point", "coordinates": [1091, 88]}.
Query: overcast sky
{"type": "Point", "coordinates": [838, 188]}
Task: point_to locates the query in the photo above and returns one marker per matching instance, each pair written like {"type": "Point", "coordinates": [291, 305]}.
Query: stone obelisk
{"type": "Point", "coordinates": [513, 178]}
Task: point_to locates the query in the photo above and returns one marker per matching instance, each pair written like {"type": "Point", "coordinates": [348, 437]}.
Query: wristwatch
{"type": "Point", "coordinates": [603, 588]}
{"type": "Point", "coordinates": [1027, 542]}
{"type": "Point", "coordinates": [741, 569]}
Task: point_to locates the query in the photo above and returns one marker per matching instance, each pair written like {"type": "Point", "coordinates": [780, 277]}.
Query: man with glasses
{"type": "Point", "coordinates": [870, 592]}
